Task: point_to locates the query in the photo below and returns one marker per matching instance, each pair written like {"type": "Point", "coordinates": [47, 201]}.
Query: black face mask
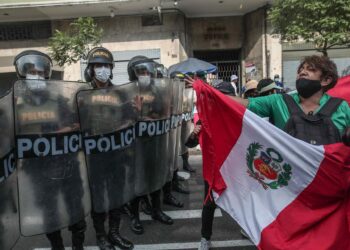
{"type": "Point", "coordinates": [307, 87]}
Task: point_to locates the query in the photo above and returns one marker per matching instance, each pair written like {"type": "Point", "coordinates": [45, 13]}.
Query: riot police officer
{"type": "Point", "coordinates": [99, 74]}
{"type": "Point", "coordinates": [143, 69]}
{"type": "Point", "coordinates": [35, 67]}
{"type": "Point", "coordinates": [174, 184]}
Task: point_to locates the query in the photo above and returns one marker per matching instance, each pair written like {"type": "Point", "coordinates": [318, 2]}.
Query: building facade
{"type": "Point", "coordinates": [234, 35]}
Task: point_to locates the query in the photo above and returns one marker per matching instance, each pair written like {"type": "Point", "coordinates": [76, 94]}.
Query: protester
{"type": "Point", "coordinates": [234, 82]}
{"type": "Point", "coordinates": [315, 75]}
{"type": "Point", "coordinates": [250, 89]}
{"type": "Point", "coordinates": [278, 81]}
{"type": "Point", "coordinates": [209, 205]}
{"type": "Point", "coordinates": [268, 87]}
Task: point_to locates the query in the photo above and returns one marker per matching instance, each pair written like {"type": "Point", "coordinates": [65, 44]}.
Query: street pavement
{"type": "Point", "coordinates": [183, 234]}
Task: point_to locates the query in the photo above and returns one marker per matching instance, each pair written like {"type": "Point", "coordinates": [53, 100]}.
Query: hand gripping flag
{"type": "Point", "coordinates": [285, 193]}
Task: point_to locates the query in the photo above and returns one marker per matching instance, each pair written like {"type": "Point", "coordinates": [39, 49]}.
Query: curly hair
{"type": "Point", "coordinates": [325, 65]}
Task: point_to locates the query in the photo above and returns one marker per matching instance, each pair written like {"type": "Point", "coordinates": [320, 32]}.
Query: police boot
{"type": "Point", "coordinates": [115, 237]}
{"type": "Point", "coordinates": [171, 200]}
{"type": "Point", "coordinates": [78, 235]}
{"type": "Point", "coordinates": [55, 240]}
{"type": "Point", "coordinates": [103, 242]}
{"type": "Point", "coordinates": [127, 209]}
{"type": "Point", "coordinates": [160, 216]}
{"type": "Point", "coordinates": [168, 197]}
{"type": "Point", "coordinates": [136, 225]}
{"type": "Point", "coordinates": [145, 205]}
{"type": "Point", "coordinates": [78, 240]}
{"type": "Point", "coordinates": [177, 186]}
{"type": "Point", "coordinates": [186, 165]}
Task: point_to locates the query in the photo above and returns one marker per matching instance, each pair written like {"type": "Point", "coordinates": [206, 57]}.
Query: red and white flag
{"type": "Point", "coordinates": [285, 193]}
{"type": "Point", "coordinates": [342, 89]}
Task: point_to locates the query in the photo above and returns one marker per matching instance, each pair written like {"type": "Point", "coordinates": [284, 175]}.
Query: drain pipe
{"type": "Point", "coordinates": [267, 57]}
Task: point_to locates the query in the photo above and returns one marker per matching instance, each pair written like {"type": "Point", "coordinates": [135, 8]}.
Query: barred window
{"type": "Point", "coordinates": [25, 31]}
{"type": "Point", "coordinates": [226, 61]}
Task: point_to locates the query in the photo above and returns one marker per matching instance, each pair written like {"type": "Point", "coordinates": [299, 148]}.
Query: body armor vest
{"type": "Point", "coordinates": [41, 117]}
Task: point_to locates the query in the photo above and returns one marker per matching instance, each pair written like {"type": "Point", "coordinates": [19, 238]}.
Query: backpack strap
{"type": "Point", "coordinates": [330, 106]}
{"type": "Point", "coordinates": [293, 107]}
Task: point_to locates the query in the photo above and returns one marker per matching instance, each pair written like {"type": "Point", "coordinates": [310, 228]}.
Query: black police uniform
{"type": "Point", "coordinates": [100, 55]}
{"type": "Point", "coordinates": [151, 107]}
{"type": "Point", "coordinates": [59, 172]}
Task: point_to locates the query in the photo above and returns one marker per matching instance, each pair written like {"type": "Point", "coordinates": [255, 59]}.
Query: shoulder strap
{"type": "Point", "coordinates": [292, 105]}
{"type": "Point", "coordinates": [330, 106]}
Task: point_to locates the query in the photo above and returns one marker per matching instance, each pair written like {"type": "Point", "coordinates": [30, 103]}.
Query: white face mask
{"type": "Point", "coordinates": [102, 74]}
{"type": "Point", "coordinates": [36, 82]}
{"type": "Point", "coordinates": [144, 81]}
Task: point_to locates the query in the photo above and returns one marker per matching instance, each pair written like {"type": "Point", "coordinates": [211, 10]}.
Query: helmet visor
{"type": "Point", "coordinates": [162, 71]}
{"type": "Point", "coordinates": [149, 68]}
{"type": "Point", "coordinates": [34, 65]}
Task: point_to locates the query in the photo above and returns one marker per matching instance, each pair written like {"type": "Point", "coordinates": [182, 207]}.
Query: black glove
{"type": "Point", "coordinates": [346, 137]}
{"type": "Point", "coordinates": [192, 141]}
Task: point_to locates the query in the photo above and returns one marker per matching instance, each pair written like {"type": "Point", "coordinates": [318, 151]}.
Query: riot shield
{"type": "Point", "coordinates": [175, 122]}
{"type": "Point", "coordinates": [107, 118]}
{"type": "Point", "coordinates": [52, 177]}
{"type": "Point", "coordinates": [152, 137]}
{"type": "Point", "coordinates": [187, 108]}
{"type": "Point", "coordinates": [9, 216]}
{"type": "Point", "coordinates": [181, 85]}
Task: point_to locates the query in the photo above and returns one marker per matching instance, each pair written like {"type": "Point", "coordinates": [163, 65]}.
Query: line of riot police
{"type": "Point", "coordinates": [87, 148]}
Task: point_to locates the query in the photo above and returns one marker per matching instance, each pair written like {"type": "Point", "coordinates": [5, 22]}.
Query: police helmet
{"type": "Point", "coordinates": [33, 61]}
{"type": "Point", "coordinates": [177, 75]}
{"type": "Point", "coordinates": [162, 71]}
{"type": "Point", "coordinates": [140, 65]}
{"type": "Point", "coordinates": [97, 55]}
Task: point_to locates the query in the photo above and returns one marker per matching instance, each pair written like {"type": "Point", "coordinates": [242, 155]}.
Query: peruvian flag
{"type": "Point", "coordinates": [285, 193]}
{"type": "Point", "coordinates": [342, 89]}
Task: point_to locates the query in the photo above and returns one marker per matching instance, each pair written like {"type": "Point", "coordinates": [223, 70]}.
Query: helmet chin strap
{"type": "Point", "coordinates": [100, 84]}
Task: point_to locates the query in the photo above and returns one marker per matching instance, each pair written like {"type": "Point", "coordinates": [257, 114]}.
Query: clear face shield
{"type": "Point", "coordinates": [34, 65]}
{"type": "Point", "coordinates": [35, 69]}
{"type": "Point", "coordinates": [145, 72]}
{"type": "Point", "coordinates": [162, 71]}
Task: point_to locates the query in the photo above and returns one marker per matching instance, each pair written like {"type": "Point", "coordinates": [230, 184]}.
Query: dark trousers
{"type": "Point", "coordinates": [100, 218]}
{"type": "Point", "coordinates": [167, 188]}
{"type": "Point", "coordinates": [208, 211]}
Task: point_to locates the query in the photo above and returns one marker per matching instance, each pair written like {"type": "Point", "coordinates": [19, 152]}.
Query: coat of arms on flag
{"type": "Point", "coordinates": [268, 168]}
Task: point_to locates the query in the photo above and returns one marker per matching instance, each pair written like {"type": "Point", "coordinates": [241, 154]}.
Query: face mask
{"type": "Point", "coordinates": [102, 74]}
{"type": "Point", "coordinates": [307, 88]}
{"type": "Point", "coordinates": [144, 80]}
{"type": "Point", "coordinates": [35, 82]}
